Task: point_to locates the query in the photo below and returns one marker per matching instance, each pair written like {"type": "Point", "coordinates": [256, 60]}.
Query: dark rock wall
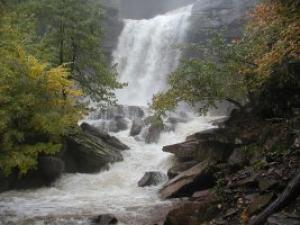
{"type": "Point", "coordinates": [211, 17]}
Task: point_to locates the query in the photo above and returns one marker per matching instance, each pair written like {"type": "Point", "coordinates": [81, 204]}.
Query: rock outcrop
{"type": "Point", "coordinates": [256, 182]}
{"type": "Point", "coordinates": [152, 178]}
{"type": "Point", "coordinates": [197, 178]}
{"type": "Point", "coordinates": [87, 150]}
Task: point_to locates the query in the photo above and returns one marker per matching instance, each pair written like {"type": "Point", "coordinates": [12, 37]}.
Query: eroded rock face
{"type": "Point", "coordinates": [104, 136]}
{"type": "Point", "coordinates": [197, 178]}
{"type": "Point", "coordinates": [194, 213]}
{"type": "Point", "coordinates": [180, 167]}
{"type": "Point", "coordinates": [201, 149]}
{"type": "Point", "coordinates": [49, 169]}
{"type": "Point", "coordinates": [152, 178]}
{"type": "Point", "coordinates": [137, 126]}
{"type": "Point", "coordinates": [90, 151]}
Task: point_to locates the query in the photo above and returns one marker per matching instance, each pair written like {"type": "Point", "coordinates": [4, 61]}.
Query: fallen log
{"type": "Point", "coordinates": [290, 193]}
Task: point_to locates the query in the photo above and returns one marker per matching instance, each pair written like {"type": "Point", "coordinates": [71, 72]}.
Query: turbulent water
{"type": "Point", "coordinates": [147, 52]}
{"type": "Point", "coordinates": [145, 55]}
{"type": "Point", "coordinates": [76, 198]}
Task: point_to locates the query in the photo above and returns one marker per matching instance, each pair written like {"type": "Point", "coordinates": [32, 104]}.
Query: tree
{"type": "Point", "coordinates": [71, 33]}
{"type": "Point", "coordinates": [37, 104]}
{"type": "Point", "coordinates": [242, 68]}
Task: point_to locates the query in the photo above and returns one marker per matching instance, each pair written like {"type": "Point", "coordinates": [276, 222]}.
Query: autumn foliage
{"type": "Point", "coordinates": [37, 104]}
{"type": "Point", "coordinates": [238, 70]}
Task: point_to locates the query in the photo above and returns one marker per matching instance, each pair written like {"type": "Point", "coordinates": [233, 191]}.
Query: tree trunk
{"type": "Point", "coordinates": [291, 192]}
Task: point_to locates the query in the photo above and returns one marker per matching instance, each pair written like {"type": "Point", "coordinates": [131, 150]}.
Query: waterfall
{"type": "Point", "coordinates": [147, 53]}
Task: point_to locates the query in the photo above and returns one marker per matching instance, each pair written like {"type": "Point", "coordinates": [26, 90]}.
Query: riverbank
{"type": "Point", "coordinates": [234, 174]}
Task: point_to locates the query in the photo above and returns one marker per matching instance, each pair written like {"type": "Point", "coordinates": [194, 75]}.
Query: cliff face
{"type": "Point", "coordinates": [211, 17]}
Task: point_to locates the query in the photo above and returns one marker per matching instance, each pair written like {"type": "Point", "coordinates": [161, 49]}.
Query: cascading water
{"type": "Point", "coordinates": [147, 52]}
{"type": "Point", "coordinates": [145, 55]}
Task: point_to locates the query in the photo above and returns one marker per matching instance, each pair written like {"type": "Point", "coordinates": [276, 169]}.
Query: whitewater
{"type": "Point", "coordinates": [145, 55]}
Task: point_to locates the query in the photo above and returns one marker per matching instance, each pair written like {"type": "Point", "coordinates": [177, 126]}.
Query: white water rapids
{"type": "Point", "coordinates": [145, 55]}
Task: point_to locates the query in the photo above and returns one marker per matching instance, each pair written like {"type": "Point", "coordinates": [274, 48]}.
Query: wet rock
{"type": "Point", "coordinates": [284, 219]}
{"type": "Point", "coordinates": [238, 158]}
{"type": "Point", "coordinates": [204, 195]}
{"type": "Point", "coordinates": [50, 167]}
{"type": "Point", "coordinates": [86, 152]}
{"type": "Point", "coordinates": [266, 183]}
{"type": "Point", "coordinates": [193, 213]}
{"type": "Point", "coordinates": [106, 219]}
{"type": "Point", "coordinates": [200, 150]}
{"type": "Point", "coordinates": [154, 130]}
{"type": "Point", "coordinates": [119, 123]}
{"type": "Point", "coordinates": [104, 136]}
{"type": "Point", "coordinates": [260, 202]}
{"type": "Point", "coordinates": [137, 126]}
{"type": "Point", "coordinates": [197, 178]}
{"type": "Point", "coordinates": [180, 167]}
{"type": "Point", "coordinates": [152, 178]}
{"type": "Point", "coordinates": [185, 151]}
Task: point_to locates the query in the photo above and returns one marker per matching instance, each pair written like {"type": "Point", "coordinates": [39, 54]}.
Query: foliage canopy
{"type": "Point", "coordinates": [235, 70]}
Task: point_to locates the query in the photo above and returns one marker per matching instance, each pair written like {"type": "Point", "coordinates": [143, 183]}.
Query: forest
{"type": "Point", "coordinates": [60, 114]}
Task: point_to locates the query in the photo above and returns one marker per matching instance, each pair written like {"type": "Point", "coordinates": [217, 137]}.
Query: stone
{"type": "Point", "coordinates": [50, 167]}
{"type": "Point", "coordinates": [265, 183]}
{"type": "Point", "coordinates": [152, 178]}
{"type": "Point", "coordinates": [154, 131]}
{"type": "Point", "coordinates": [87, 128]}
{"type": "Point", "coordinates": [106, 219]}
{"type": "Point", "coordinates": [193, 213]}
{"type": "Point", "coordinates": [200, 150]}
{"type": "Point", "coordinates": [238, 158]}
{"type": "Point", "coordinates": [260, 202]}
{"type": "Point", "coordinates": [283, 219]}
{"type": "Point", "coordinates": [117, 124]}
{"type": "Point", "coordinates": [88, 152]}
{"type": "Point", "coordinates": [180, 167]}
{"type": "Point", "coordinates": [204, 195]}
{"type": "Point", "coordinates": [197, 178]}
{"type": "Point", "coordinates": [137, 126]}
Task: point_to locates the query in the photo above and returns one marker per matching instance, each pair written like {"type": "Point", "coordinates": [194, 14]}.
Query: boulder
{"type": "Point", "coordinates": [200, 150]}
{"type": "Point", "coordinates": [238, 158]}
{"type": "Point", "coordinates": [50, 167]}
{"type": "Point", "coordinates": [119, 123]}
{"type": "Point", "coordinates": [180, 167]}
{"type": "Point", "coordinates": [152, 178]}
{"type": "Point", "coordinates": [89, 151]}
{"type": "Point", "coordinates": [260, 202]}
{"type": "Point", "coordinates": [104, 136]}
{"type": "Point", "coordinates": [106, 219]}
{"type": "Point", "coordinates": [194, 213]}
{"type": "Point", "coordinates": [199, 177]}
{"type": "Point", "coordinates": [283, 219]}
{"type": "Point", "coordinates": [154, 131]}
{"type": "Point", "coordinates": [137, 126]}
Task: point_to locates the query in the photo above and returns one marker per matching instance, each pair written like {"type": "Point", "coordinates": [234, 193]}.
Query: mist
{"type": "Point", "coordinates": [139, 9]}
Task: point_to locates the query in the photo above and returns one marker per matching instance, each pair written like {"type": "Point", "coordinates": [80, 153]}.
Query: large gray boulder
{"type": "Point", "coordinates": [152, 178]}
{"type": "Point", "coordinates": [137, 126]}
{"type": "Point", "coordinates": [111, 140]}
{"type": "Point", "coordinates": [89, 151]}
{"type": "Point", "coordinates": [200, 150]}
{"type": "Point", "coordinates": [199, 177]}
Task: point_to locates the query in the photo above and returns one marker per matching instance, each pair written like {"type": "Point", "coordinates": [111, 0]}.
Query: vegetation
{"type": "Point", "coordinates": [238, 70]}
{"type": "Point", "coordinates": [50, 54]}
